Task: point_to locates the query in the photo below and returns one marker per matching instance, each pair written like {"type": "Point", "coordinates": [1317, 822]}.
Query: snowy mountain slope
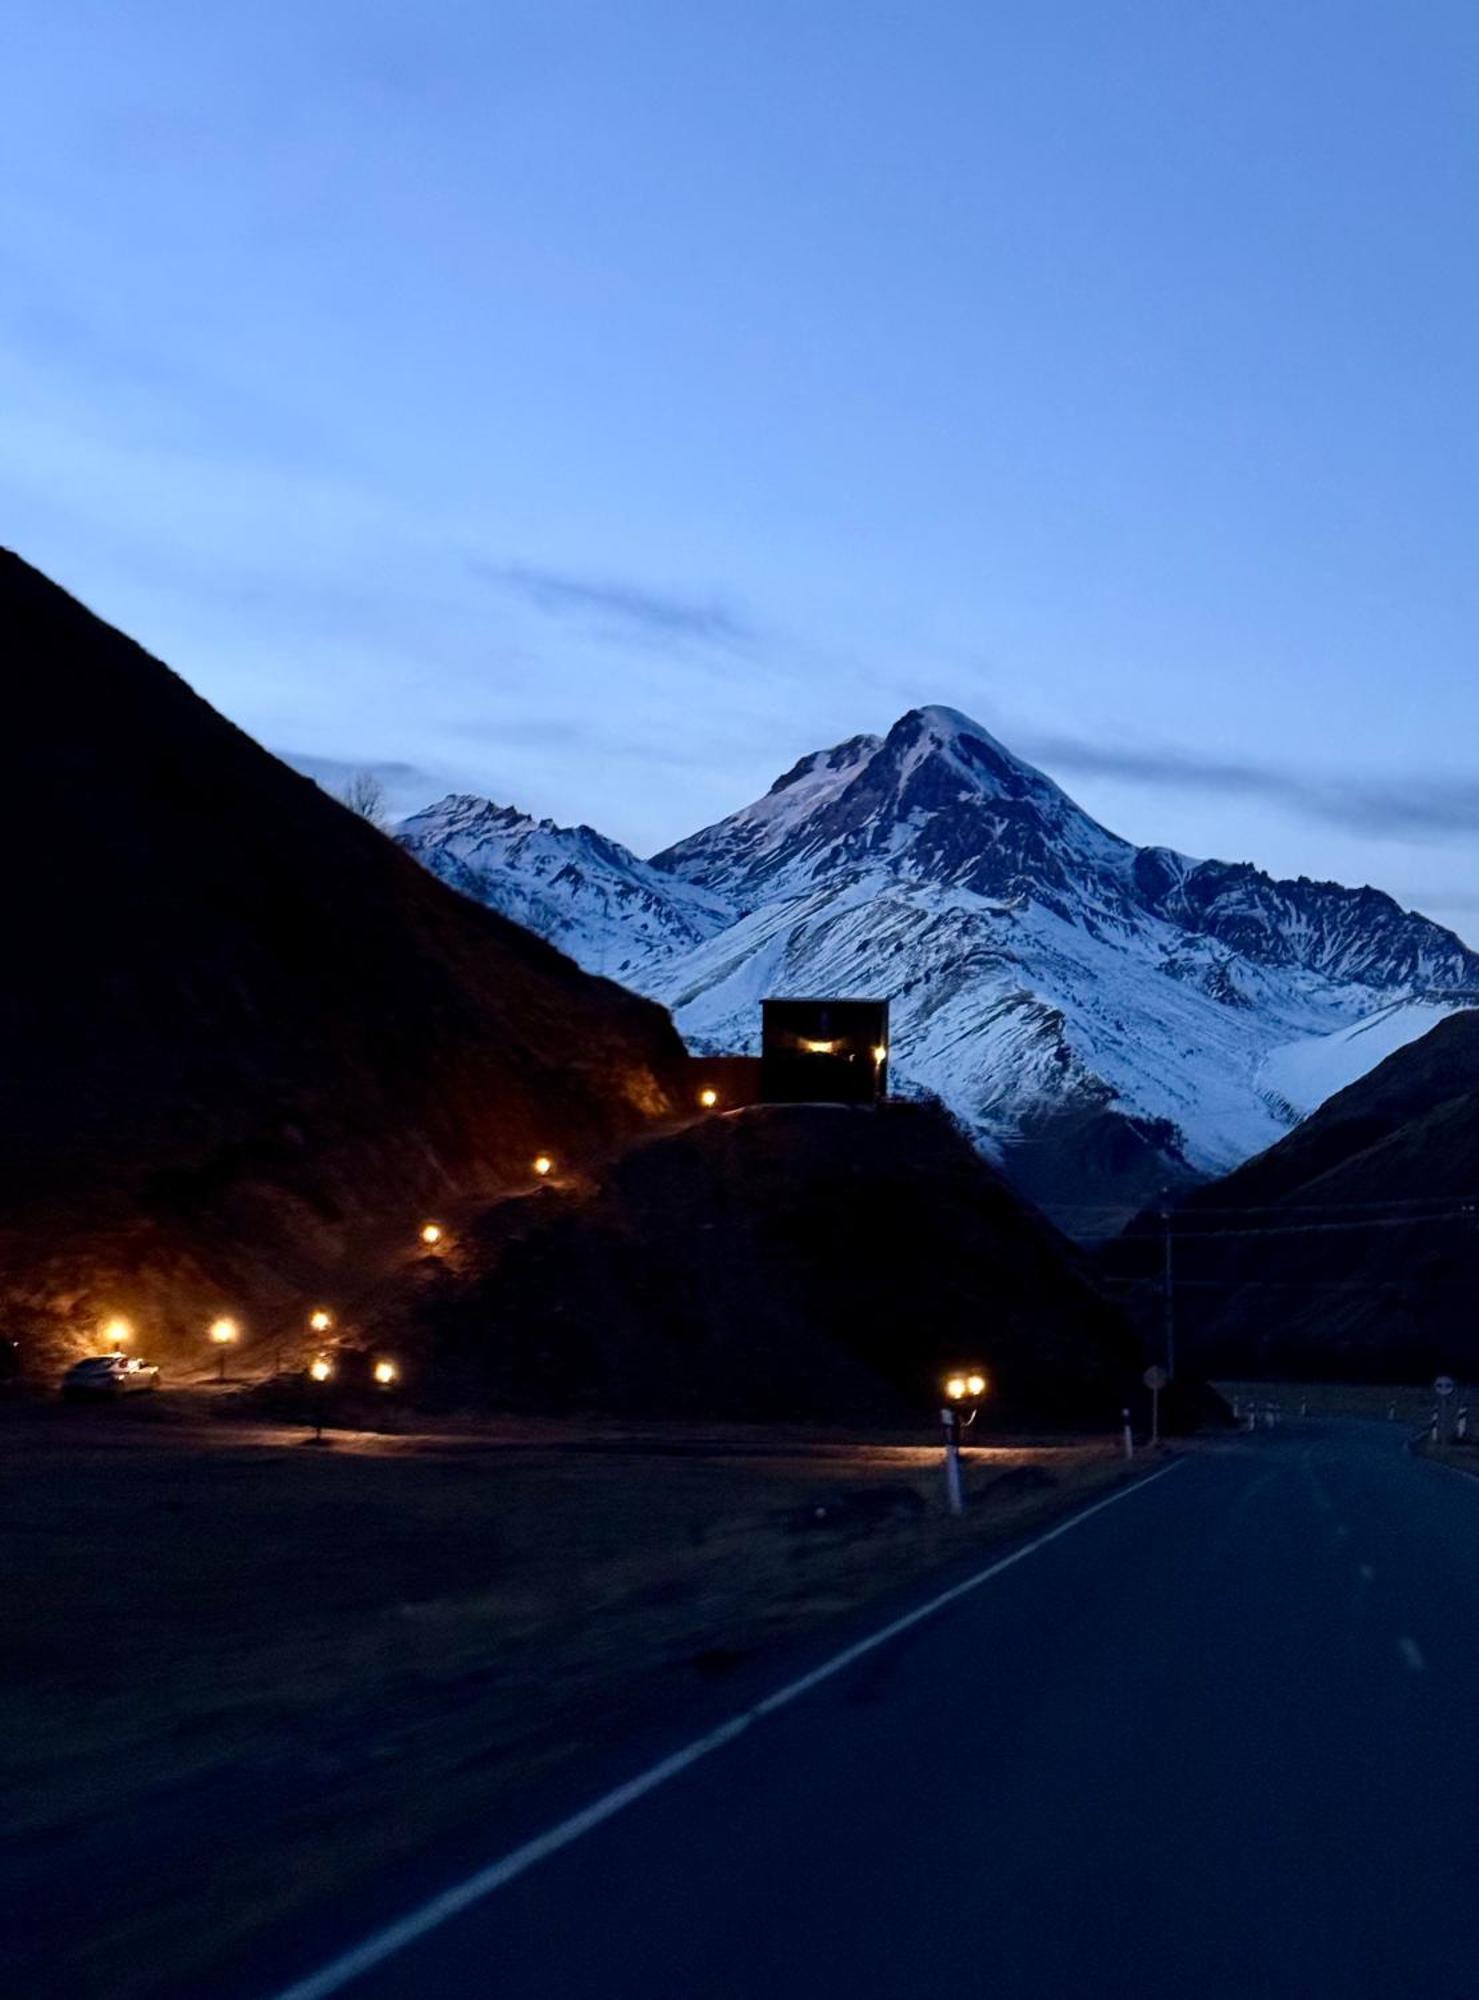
{"type": "Point", "coordinates": [1048, 979]}
{"type": "Point", "coordinates": [611, 912]}
{"type": "Point", "coordinates": [756, 846]}
{"type": "Point", "coordinates": [1303, 1074]}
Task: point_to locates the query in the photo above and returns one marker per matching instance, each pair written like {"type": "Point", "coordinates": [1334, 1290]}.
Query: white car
{"type": "Point", "coordinates": [109, 1375]}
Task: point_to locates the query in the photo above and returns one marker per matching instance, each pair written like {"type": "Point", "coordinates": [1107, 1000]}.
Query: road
{"type": "Point", "coordinates": [1218, 1739]}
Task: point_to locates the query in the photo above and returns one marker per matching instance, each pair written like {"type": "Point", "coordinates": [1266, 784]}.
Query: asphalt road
{"type": "Point", "coordinates": [1220, 1739]}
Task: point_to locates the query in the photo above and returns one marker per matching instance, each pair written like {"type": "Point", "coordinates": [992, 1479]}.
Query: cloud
{"type": "Point", "coordinates": [1415, 808]}
{"type": "Point", "coordinates": [621, 610]}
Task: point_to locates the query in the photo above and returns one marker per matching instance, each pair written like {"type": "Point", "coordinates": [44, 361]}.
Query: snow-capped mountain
{"type": "Point", "coordinates": [1102, 1017]}
{"type": "Point", "coordinates": [591, 896]}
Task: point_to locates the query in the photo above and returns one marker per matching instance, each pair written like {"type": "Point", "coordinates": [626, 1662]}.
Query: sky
{"type": "Point", "coordinates": [598, 407]}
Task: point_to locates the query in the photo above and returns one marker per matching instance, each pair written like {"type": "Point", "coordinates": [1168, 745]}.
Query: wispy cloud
{"type": "Point", "coordinates": [619, 609]}
{"type": "Point", "coordinates": [1418, 807]}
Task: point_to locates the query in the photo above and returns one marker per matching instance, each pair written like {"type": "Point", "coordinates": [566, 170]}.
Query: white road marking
{"type": "Point", "coordinates": [383, 1944]}
{"type": "Point", "coordinates": [1412, 1653]}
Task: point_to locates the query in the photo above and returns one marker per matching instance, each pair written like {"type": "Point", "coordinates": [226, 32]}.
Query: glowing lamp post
{"type": "Point", "coordinates": [118, 1331]}
{"type": "Point", "coordinates": [320, 1369]}
{"type": "Point", "coordinates": [386, 1374]}
{"type": "Point", "coordinates": [431, 1234]}
{"type": "Point", "coordinates": [708, 1099]}
{"type": "Point", "coordinates": [223, 1334]}
{"type": "Point", "coordinates": [964, 1388]}
{"type": "Point", "coordinates": [544, 1166]}
{"type": "Point", "coordinates": [320, 1321]}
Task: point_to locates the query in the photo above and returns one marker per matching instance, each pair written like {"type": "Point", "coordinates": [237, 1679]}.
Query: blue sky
{"type": "Point", "coordinates": [599, 406]}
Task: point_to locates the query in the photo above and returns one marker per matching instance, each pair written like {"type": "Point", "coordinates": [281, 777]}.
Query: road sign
{"type": "Point", "coordinates": [1157, 1378]}
{"type": "Point", "coordinates": [1444, 1386]}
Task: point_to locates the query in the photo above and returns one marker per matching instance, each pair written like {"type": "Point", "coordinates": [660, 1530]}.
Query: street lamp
{"type": "Point", "coordinates": [431, 1234]}
{"type": "Point", "coordinates": [118, 1330]}
{"type": "Point", "coordinates": [320, 1321]}
{"type": "Point", "coordinates": [543, 1165]}
{"type": "Point", "coordinates": [708, 1099]}
{"type": "Point", "coordinates": [223, 1333]}
{"type": "Point", "coordinates": [320, 1368]}
{"type": "Point", "coordinates": [962, 1386]}
{"type": "Point", "coordinates": [386, 1374]}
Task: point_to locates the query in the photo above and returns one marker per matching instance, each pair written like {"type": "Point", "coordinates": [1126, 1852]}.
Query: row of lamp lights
{"type": "Point", "coordinates": [224, 1331]}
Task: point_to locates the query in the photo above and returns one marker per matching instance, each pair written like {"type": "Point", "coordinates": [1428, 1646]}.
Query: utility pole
{"type": "Point", "coordinates": [1169, 1285]}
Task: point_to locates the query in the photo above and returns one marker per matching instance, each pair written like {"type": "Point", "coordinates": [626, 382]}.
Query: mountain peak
{"type": "Point", "coordinates": [1112, 1016]}
{"type": "Point", "coordinates": [945, 725]}
{"type": "Point", "coordinates": [959, 741]}
{"type": "Point", "coordinates": [938, 798]}
{"type": "Point", "coordinates": [570, 884]}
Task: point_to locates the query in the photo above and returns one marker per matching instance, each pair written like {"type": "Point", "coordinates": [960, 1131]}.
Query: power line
{"type": "Point", "coordinates": [1373, 1287]}
{"type": "Point", "coordinates": [1270, 1207]}
{"type": "Point", "coordinates": [1267, 1230]}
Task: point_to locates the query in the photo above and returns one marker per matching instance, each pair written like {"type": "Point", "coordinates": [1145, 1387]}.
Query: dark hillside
{"type": "Point", "coordinates": [243, 1036]}
{"type": "Point", "coordinates": [1352, 1247]}
{"type": "Point", "coordinates": [799, 1261]}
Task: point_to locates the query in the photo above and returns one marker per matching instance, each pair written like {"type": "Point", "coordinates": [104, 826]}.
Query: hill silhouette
{"type": "Point", "coordinates": [244, 1039]}
{"type": "Point", "coordinates": [798, 1261]}
{"type": "Point", "coordinates": [1351, 1248]}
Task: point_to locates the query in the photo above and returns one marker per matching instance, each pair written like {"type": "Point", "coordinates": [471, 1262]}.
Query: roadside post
{"type": "Point", "coordinates": [1129, 1434]}
{"type": "Point", "coordinates": [963, 1386]}
{"type": "Point", "coordinates": [1155, 1380]}
{"type": "Point", "coordinates": [954, 1498]}
{"type": "Point", "coordinates": [1443, 1389]}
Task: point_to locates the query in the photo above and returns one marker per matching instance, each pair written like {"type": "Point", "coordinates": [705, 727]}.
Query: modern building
{"type": "Point", "coordinates": [824, 1051]}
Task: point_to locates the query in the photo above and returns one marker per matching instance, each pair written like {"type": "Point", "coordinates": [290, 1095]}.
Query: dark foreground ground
{"type": "Point", "coordinates": [243, 1678]}
{"type": "Point", "coordinates": [1218, 1740]}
